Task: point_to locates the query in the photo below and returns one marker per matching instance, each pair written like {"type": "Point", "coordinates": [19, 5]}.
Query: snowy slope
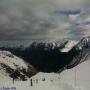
{"type": "Point", "coordinates": [76, 78]}
{"type": "Point", "coordinates": [11, 60]}
{"type": "Point", "coordinates": [12, 67]}
{"type": "Point", "coordinates": [72, 79]}
{"type": "Point", "coordinates": [79, 76]}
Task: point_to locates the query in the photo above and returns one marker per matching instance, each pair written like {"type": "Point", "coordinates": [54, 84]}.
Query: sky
{"type": "Point", "coordinates": [28, 19]}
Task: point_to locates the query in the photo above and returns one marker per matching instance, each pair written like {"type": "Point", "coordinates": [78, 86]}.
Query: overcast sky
{"type": "Point", "coordinates": [44, 18]}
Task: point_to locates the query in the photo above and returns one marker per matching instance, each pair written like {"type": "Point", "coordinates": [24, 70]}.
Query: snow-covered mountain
{"type": "Point", "coordinates": [83, 48]}
{"type": "Point", "coordinates": [76, 78]}
{"type": "Point", "coordinates": [53, 56]}
{"type": "Point", "coordinates": [14, 67]}
{"type": "Point", "coordinates": [68, 46]}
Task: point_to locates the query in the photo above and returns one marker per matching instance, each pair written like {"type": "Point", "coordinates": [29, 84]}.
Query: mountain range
{"type": "Point", "coordinates": [47, 56]}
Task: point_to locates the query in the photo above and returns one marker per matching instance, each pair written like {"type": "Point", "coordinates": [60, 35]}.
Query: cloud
{"type": "Point", "coordinates": [35, 18]}
{"type": "Point", "coordinates": [81, 26]}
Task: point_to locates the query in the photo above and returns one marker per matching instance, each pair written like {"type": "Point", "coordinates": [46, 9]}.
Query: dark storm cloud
{"type": "Point", "coordinates": [34, 18]}
{"type": "Point", "coordinates": [19, 20]}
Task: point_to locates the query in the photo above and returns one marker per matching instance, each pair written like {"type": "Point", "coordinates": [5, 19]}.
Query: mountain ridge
{"type": "Point", "coordinates": [14, 67]}
{"type": "Point", "coordinates": [53, 57]}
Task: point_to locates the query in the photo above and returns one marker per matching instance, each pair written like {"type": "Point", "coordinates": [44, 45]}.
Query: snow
{"type": "Point", "coordinates": [69, 46]}
{"type": "Point", "coordinates": [77, 78]}
{"type": "Point", "coordinates": [11, 60]}
{"type": "Point", "coordinates": [8, 60]}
